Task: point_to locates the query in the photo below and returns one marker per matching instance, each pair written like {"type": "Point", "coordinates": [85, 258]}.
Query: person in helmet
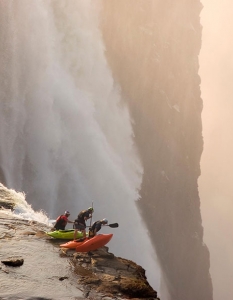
{"type": "Point", "coordinates": [62, 221]}
{"type": "Point", "coordinates": [97, 226]}
{"type": "Point", "coordinates": [80, 222]}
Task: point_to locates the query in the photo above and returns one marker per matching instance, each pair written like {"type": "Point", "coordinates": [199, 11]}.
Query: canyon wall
{"type": "Point", "coordinates": [152, 48]}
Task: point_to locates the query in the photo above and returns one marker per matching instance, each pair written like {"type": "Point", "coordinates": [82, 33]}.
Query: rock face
{"type": "Point", "coordinates": [102, 272]}
{"type": "Point", "coordinates": [153, 47]}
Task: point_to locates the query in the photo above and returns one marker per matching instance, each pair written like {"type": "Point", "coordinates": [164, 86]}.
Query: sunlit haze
{"type": "Point", "coordinates": [215, 183]}
{"type": "Point", "coordinates": [81, 97]}
{"type": "Point", "coordinates": [63, 121]}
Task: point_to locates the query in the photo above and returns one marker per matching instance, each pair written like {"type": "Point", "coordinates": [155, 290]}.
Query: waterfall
{"type": "Point", "coordinates": [66, 133]}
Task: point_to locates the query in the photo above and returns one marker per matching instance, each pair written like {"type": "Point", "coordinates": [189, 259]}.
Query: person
{"type": "Point", "coordinates": [97, 226]}
{"type": "Point", "coordinates": [80, 222]}
{"type": "Point", "coordinates": [62, 221]}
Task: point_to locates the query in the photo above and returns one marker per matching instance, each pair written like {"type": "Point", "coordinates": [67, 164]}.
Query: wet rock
{"type": "Point", "coordinates": [6, 202]}
{"type": "Point", "coordinates": [7, 205]}
{"type": "Point", "coordinates": [13, 262]}
{"type": "Point", "coordinates": [63, 278]}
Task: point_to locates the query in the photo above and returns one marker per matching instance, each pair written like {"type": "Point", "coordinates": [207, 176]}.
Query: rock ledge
{"type": "Point", "coordinates": [102, 273]}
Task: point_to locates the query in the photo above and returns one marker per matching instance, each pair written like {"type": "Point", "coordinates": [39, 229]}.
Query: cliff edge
{"type": "Point", "coordinates": [41, 269]}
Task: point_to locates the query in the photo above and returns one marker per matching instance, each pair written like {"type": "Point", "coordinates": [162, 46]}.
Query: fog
{"type": "Point", "coordinates": [66, 136]}
{"type": "Point", "coordinates": [215, 183]}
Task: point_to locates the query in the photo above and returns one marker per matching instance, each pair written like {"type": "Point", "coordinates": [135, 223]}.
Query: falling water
{"type": "Point", "coordinates": [65, 131]}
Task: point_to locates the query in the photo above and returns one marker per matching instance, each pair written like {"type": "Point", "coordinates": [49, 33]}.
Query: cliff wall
{"type": "Point", "coordinates": [153, 47]}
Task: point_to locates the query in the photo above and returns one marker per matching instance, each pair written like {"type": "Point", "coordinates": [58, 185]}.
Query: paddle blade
{"type": "Point", "coordinates": [114, 225]}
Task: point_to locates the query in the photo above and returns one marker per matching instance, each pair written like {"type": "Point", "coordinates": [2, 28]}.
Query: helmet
{"type": "Point", "coordinates": [104, 221]}
{"type": "Point", "coordinates": [67, 212]}
{"type": "Point", "coordinates": [91, 209]}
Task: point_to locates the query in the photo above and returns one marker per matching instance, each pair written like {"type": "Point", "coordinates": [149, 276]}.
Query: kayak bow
{"type": "Point", "coordinates": [91, 244]}
{"type": "Point", "coordinates": [94, 243]}
{"type": "Point", "coordinates": [64, 234]}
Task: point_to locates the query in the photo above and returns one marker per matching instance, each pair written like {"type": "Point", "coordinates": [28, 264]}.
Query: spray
{"type": "Point", "coordinates": [68, 138]}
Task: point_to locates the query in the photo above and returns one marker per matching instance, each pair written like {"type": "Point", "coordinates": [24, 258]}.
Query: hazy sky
{"type": "Point", "coordinates": [216, 181]}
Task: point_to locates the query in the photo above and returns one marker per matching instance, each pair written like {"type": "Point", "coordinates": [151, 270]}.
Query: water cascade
{"type": "Point", "coordinates": [66, 134]}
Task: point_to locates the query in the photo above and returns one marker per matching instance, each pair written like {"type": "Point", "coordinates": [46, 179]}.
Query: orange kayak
{"type": "Point", "coordinates": [72, 244]}
{"type": "Point", "coordinates": [94, 243]}
{"type": "Point", "coordinates": [91, 244]}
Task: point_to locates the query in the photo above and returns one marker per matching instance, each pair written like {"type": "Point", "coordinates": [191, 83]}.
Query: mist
{"type": "Point", "coordinates": [215, 182]}
{"type": "Point", "coordinates": [68, 138]}
{"type": "Point", "coordinates": [36, 67]}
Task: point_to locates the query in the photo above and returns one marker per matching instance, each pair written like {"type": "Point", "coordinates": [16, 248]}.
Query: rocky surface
{"type": "Point", "coordinates": [94, 275]}
{"type": "Point", "coordinates": [102, 272]}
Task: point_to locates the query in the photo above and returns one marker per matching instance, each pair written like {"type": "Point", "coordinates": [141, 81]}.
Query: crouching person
{"type": "Point", "coordinates": [96, 227]}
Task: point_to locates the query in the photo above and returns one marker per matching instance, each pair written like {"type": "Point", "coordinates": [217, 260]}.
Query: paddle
{"type": "Point", "coordinates": [91, 214]}
{"type": "Point", "coordinates": [113, 225]}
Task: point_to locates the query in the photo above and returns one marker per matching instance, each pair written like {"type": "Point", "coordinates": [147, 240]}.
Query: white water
{"type": "Point", "coordinates": [66, 135]}
{"type": "Point", "coordinates": [22, 209]}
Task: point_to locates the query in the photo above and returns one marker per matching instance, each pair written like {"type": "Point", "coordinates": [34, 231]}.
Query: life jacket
{"type": "Point", "coordinates": [60, 223]}
{"type": "Point", "coordinates": [97, 225]}
{"type": "Point", "coordinates": [80, 219]}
